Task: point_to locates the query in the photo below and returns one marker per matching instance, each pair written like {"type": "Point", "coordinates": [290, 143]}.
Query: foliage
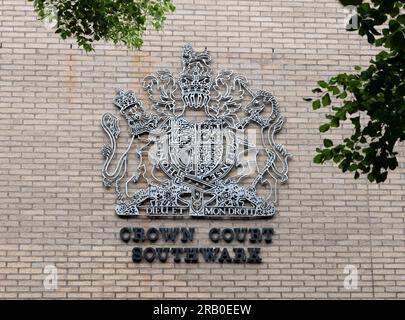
{"type": "Point", "coordinates": [372, 98]}
{"type": "Point", "coordinates": [119, 21]}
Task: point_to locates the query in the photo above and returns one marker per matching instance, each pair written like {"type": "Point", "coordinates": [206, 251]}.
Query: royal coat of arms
{"type": "Point", "coordinates": [196, 168]}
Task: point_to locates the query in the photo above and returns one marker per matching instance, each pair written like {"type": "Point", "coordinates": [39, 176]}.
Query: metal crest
{"type": "Point", "coordinates": [183, 167]}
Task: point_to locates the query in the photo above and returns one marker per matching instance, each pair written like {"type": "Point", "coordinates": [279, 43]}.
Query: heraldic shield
{"type": "Point", "coordinates": [212, 167]}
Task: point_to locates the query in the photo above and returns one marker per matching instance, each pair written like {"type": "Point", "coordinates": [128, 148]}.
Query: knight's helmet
{"type": "Point", "coordinates": [195, 79]}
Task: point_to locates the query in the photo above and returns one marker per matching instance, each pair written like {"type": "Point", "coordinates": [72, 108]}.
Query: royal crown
{"type": "Point", "coordinates": [132, 109]}
{"type": "Point", "coordinates": [195, 80]}
{"type": "Point", "coordinates": [127, 100]}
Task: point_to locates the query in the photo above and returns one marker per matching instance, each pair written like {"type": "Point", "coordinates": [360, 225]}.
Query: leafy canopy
{"type": "Point", "coordinates": [119, 21]}
{"type": "Point", "coordinates": [372, 98]}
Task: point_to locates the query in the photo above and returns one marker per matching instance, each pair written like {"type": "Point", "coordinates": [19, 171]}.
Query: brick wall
{"type": "Point", "coordinates": [54, 210]}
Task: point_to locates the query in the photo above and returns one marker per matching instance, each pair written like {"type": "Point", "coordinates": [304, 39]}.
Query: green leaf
{"type": "Point", "coordinates": [401, 19]}
{"type": "Point", "coordinates": [343, 95]}
{"type": "Point", "coordinates": [350, 2]}
{"type": "Point", "coordinates": [370, 38]}
{"type": "Point", "coordinates": [334, 89]}
{"type": "Point", "coordinates": [326, 100]}
{"type": "Point", "coordinates": [396, 41]}
{"type": "Point", "coordinates": [322, 84]}
{"type": "Point", "coordinates": [318, 158]}
{"type": "Point", "coordinates": [334, 123]}
{"type": "Point", "coordinates": [327, 154]}
{"type": "Point", "coordinates": [394, 25]}
{"type": "Point", "coordinates": [337, 158]}
{"type": "Point", "coordinates": [325, 127]}
{"type": "Point", "coordinates": [327, 143]}
{"type": "Point", "coordinates": [316, 104]}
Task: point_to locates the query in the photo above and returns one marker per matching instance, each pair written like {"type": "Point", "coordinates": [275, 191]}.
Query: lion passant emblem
{"type": "Point", "coordinates": [201, 168]}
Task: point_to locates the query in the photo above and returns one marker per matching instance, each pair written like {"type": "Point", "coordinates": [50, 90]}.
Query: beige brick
{"type": "Point", "coordinates": [54, 210]}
